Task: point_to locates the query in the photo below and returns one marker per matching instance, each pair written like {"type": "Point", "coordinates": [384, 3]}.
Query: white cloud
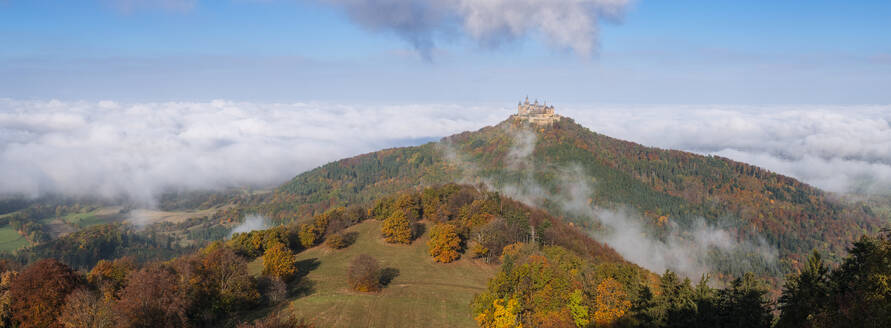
{"type": "Point", "coordinates": [141, 149]}
{"type": "Point", "coordinates": [837, 148]}
{"type": "Point", "coordinates": [570, 24]}
{"type": "Point", "coordinates": [251, 222]}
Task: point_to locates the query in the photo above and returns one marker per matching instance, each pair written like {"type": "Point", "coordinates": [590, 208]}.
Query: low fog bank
{"type": "Point", "coordinates": [251, 222]}
{"type": "Point", "coordinates": [140, 150]}
{"type": "Point", "coordinates": [687, 249]}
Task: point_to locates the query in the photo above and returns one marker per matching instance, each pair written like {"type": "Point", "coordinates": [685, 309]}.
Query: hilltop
{"type": "Point", "coordinates": [546, 226]}
{"type": "Point", "coordinates": [669, 191]}
{"type": "Point", "coordinates": [765, 222]}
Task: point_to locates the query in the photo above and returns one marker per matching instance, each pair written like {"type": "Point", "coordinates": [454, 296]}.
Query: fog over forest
{"type": "Point", "coordinates": [142, 149]}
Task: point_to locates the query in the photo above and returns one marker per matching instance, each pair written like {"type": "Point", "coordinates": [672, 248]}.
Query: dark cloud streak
{"type": "Point", "coordinates": [565, 24]}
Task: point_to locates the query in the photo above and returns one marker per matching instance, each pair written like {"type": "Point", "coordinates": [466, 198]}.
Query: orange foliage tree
{"type": "Point", "coordinates": [444, 243]}
{"type": "Point", "coordinates": [397, 229]}
{"type": "Point", "coordinates": [38, 293]}
{"type": "Point", "coordinates": [111, 274]}
{"type": "Point", "coordinates": [611, 302]}
{"type": "Point", "coordinates": [279, 261]}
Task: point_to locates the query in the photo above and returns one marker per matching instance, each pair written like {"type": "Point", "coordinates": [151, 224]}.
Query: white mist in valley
{"type": "Point", "coordinates": [251, 222]}
{"type": "Point", "coordinates": [685, 250]}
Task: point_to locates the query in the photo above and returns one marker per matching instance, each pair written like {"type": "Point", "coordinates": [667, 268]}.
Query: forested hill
{"type": "Point", "coordinates": [668, 188]}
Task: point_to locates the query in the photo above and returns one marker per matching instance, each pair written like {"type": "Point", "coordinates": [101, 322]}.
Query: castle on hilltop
{"type": "Point", "coordinates": [536, 113]}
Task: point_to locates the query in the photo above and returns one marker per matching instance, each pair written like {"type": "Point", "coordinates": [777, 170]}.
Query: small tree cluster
{"type": "Point", "coordinates": [279, 261]}
{"type": "Point", "coordinates": [309, 235]}
{"type": "Point", "coordinates": [397, 229]}
{"type": "Point", "coordinates": [364, 274]}
{"type": "Point", "coordinates": [208, 288]}
{"type": "Point", "coordinates": [444, 244]}
{"type": "Point", "coordinates": [254, 243]}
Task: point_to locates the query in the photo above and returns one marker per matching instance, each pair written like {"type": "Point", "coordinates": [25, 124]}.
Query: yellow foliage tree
{"type": "Point", "coordinates": [397, 229]}
{"type": "Point", "coordinates": [444, 243]}
{"type": "Point", "coordinates": [578, 308]}
{"type": "Point", "coordinates": [512, 250]}
{"type": "Point", "coordinates": [279, 261]}
{"type": "Point", "coordinates": [506, 315]}
{"type": "Point", "coordinates": [477, 250]}
{"type": "Point", "coordinates": [409, 205]}
{"type": "Point", "coordinates": [611, 302]}
{"type": "Point", "coordinates": [308, 235]}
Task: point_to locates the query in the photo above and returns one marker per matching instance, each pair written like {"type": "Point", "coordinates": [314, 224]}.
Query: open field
{"type": "Point", "coordinates": [10, 240]}
{"type": "Point", "coordinates": [423, 294]}
{"type": "Point", "coordinates": [98, 216]}
{"type": "Point", "coordinates": [146, 216]}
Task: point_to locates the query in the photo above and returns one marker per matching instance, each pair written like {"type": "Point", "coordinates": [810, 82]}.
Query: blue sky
{"type": "Point", "coordinates": [667, 52]}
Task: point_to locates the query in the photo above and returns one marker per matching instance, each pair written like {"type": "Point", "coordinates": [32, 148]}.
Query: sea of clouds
{"type": "Point", "coordinates": [142, 149]}
{"type": "Point", "coordinates": [836, 148]}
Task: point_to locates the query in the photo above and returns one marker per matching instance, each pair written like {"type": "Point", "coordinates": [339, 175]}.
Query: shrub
{"type": "Point", "coordinates": [364, 274]}
{"type": "Point", "coordinates": [340, 240]}
{"type": "Point", "coordinates": [444, 243]}
{"type": "Point", "coordinates": [397, 229]}
{"type": "Point", "coordinates": [336, 241]}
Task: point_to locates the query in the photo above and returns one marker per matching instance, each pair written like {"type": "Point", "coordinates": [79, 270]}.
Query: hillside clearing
{"type": "Point", "coordinates": [423, 294]}
{"type": "Point", "coordinates": [10, 240]}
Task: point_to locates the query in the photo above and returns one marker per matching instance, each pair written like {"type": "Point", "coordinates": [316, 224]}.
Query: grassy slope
{"type": "Point", "coordinates": [424, 294]}
{"type": "Point", "coordinates": [10, 240]}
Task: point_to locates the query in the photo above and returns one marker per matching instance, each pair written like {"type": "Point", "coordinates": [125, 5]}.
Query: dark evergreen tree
{"type": "Point", "coordinates": [744, 304]}
{"type": "Point", "coordinates": [805, 294]}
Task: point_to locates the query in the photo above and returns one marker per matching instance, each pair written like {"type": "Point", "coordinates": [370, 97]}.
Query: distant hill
{"type": "Point", "coordinates": [667, 188]}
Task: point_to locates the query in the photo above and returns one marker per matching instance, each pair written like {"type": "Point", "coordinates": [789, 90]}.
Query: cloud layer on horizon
{"type": "Point", "coordinates": [836, 148]}
{"type": "Point", "coordinates": [141, 149]}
